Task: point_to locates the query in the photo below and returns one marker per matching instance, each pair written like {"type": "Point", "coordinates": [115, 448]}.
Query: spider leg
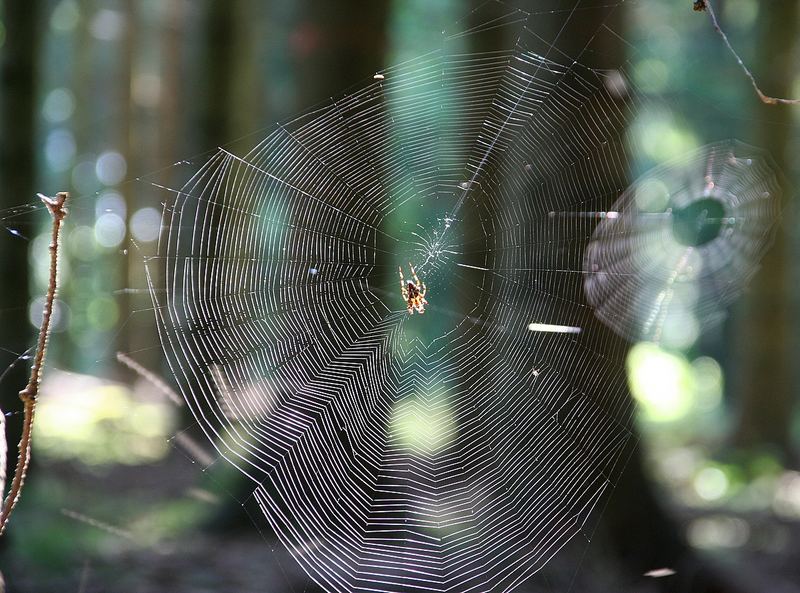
{"type": "Point", "coordinates": [414, 274]}
{"type": "Point", "coordinates": [403, 288]}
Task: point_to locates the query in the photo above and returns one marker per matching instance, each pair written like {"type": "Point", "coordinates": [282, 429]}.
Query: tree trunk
{"type": "Point", "coordinates": [766, 347]}
{"type": "Point", "coordinates": [18, 75]}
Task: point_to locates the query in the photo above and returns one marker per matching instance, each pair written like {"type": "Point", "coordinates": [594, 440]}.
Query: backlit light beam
{"type": "Point", "coordinates": [553, 329]}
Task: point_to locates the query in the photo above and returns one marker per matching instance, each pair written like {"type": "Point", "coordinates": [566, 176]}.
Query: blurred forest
{"type": "Point", "coordinates": [126, 495]}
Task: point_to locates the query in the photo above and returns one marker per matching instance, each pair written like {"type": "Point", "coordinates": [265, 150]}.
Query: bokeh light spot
{"type": "Point", "coordinates": [102, 313]}
{"type": "Point", "coordinates": [109, 230]}
{"type": "Point", "coordinates": [84, 178]}
{"type": "Point", "coordinates": [107, 25]}
{"type": "Point", "coordinates": [740, 13]}
{"type": "Point", "coordinates": [711, 483]}
{"type": "Point", "coordinates": [111, 167]}
{"type": "Point", "coordinates": [146, 224]}
{"type": "Point", "coordinates": [59, 319]}
{"type": "Point", "coordinates": [59, 105]}
{"type": "Point", "coordinates": [82, 243]}
{"type": "Point", "coordinates": [652, 75]}
{"type": "Point", "coordinates": [708, 381]}
{"type": "Point", "coordinates": [718, 532]}
{"type": "Point", "coordinates": [65, 16]}
{"type": "Point", "coordinates": [110, 202]}
{"type": "Point", "coordinates": [59, 149]}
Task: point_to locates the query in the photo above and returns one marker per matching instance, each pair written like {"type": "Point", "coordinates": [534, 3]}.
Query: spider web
{"type": "Point", "coordinates": [457, 450]}
{"type": "Point", "coordinates": [683, 241]}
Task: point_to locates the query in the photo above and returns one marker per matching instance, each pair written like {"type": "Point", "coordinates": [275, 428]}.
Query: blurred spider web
{"type": "Point", "coordinates": [682, 243]}
{"type": "Point", "coordinates": [460, 450]}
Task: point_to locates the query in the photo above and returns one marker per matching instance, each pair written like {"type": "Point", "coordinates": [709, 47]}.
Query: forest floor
{"type": "Point", "coordinates": [171, 529]}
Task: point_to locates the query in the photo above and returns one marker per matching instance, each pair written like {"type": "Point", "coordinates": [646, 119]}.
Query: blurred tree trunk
{"type": "Point", "coordinates": [766, 352]}
{"type": "Point", "coordinates": [127, 139]}
{"type": "Point", "coordinates": [81, 84]}
{"type": "Point", "coordinates": [220, 37]}
{"type": "Point", "coordinates": [331, 46]}
{"type": "Point", "coordinates": [18, 101]}
{"type": "Point", "coordinates": [170, 137]}
{"type": "Point", "coordinates": [638, 526]}
{"type": "Point", "coordinates": [339, 45]}
{"type": "Point", "coordinates": [171, 97]}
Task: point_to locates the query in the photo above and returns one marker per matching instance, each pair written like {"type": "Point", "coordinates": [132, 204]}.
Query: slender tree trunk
{"type": "Point", "coordinates": [341, 44]}
{"type": "Point", "coordinates": [638, 527]}
{"type": "Point", "coordinates": [331, 47]}
{"type": "Point", "coordinates": [766, 348]}
{"type": "Point", "coordinates": [126, 141]}
{"type": "Point", "coordinates": [218, 68]}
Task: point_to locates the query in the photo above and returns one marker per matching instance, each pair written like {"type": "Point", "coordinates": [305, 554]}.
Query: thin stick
{"type": "Point", "coordinates": [28, 395]}
{"type": "Point", "coordinates": [150, 377]}
{"type": "Point", "coordinates": [705, 5]}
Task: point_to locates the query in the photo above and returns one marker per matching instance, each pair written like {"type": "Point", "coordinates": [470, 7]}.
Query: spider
{"type": "Point", "coordinates": [413, 292]}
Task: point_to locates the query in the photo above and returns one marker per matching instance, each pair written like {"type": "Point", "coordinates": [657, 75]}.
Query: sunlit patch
{"type": "Point", "coordinates": [786, 502]}
{"type": "Point", "coordinates": [679, 464]}
{"type": "Point", "coordinates": [99, 422]}
{"type": "Point", "coordinates": [616, 85]}
{"type": "Point", "coordinates": [661, 137]}
{"type": "Point", "coordinates": [660, 381]}
{"type": "Point", "coordinates": [423, 425]}
{"type": "Point", "coordinates": [718, 532]}
{"type": "Point", "coordinates": [667, 386]}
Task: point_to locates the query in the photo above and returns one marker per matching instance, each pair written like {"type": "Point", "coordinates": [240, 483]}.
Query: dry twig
{"type": "Point", "coordinates": [28, 395]}
{"type": "Point", "coordinates": [705, 6]}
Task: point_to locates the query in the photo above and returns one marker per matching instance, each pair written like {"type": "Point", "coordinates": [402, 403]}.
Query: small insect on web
{"type": "Point", "coordinates": [462, 451]}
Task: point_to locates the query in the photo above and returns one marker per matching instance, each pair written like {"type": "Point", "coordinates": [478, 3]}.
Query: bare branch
{"type": "Point", "coordinates": [31, 391]}
{"type": "Point", "coordinates": [150, 377]}
{"type": "Point", "coordinates": [705, 5]}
